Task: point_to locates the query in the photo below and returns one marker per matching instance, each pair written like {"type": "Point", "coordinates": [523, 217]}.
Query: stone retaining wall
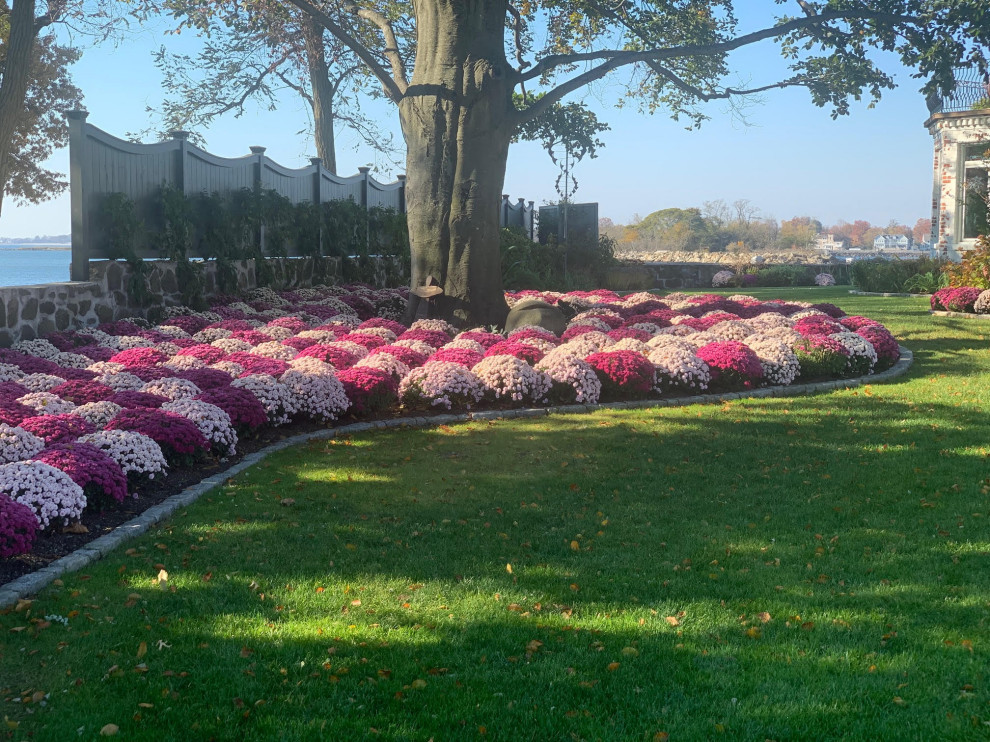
{"type": "Point", "coordinates": [28, 312]}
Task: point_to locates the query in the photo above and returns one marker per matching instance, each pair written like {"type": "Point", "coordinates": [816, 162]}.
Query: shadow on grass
{"type": "Point", "coordinates": [656, 540]}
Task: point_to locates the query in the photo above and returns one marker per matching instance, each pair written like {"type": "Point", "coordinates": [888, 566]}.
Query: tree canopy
{"type": "Point", "coordinates": [455, 100]}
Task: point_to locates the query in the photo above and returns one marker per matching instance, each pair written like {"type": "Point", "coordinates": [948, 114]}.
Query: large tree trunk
{"type": "Point", "coordinates": [456, 119]}
{"type": "Point", "coordinates": [16, 78]}
{"type": "Point", "coordinates": [323, 92]}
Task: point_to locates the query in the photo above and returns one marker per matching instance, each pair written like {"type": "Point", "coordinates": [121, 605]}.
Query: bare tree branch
{"type": "Point", "coordinates": [394, 88]}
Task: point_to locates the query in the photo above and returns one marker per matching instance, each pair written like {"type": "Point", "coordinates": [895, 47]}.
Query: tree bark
{"type": "Point", "coordinates": [323, 92]}
{"type": "Point", "coordinates": [16, 78]}
{"type": "Point", "coordinates": [457, 122]}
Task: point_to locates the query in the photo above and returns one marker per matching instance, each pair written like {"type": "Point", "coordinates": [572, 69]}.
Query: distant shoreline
{"type": "Point", "coordinates": [65, 248]}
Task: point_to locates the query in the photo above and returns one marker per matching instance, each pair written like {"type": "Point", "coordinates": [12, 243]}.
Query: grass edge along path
{"type": "Point", "coordinates": [30, 584]}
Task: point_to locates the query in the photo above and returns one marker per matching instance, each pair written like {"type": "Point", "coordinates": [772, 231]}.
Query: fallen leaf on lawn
{"type": "Point", "coordinates": [245, 652]}
{"type": "Point", "coordinates": [575, 546]}
{"type": "Point", "coordinates": [356, 602]}
{"type": "Point", "coordinates": [142, 649]}
{"type": "Point", "coordinates": [630, 652]}
{"type": "Point", "coordinates": [613, 666]}
{"type": "Point", "coordinates": [38, 696]}
{"type": "Point", "coordinates": [320, 589]}
{"type": "Point", "coordinates": [900, 701]}
{"type": "Point", "coordinates": [763, 617]}
{"type": "Point", "coordinates": [508, 568]}
{"type": "Point", "coordinates": [754, 632]}
{"type": "Point", "coordinates": [808, 625]}
{"type": "Point", "coordinates": [533, 645]}
{"type": "Point", "coordinates": [661, 737]}
{"type": "Point", "coordinates": [22, 605]}
{"type": "Point", "coordinates": [419, 684]}
{"type": "Point", "coordinates": [163, 579]}
{"type": "Point", "coordinates": [672, 620]}
{"type": "Point", "coordinates": [287, 501]}
{"type": "Point", "coordinates": [12, 725]}
{"type": "Point", "coordinates": [146, 705]}
{"type": "Point", "coordinates": [109, 730]}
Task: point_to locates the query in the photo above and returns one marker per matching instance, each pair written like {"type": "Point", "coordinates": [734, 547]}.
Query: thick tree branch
{"type": "Point", "coordinates": [615, 58]}
{"type": "Point", "coordinates": [391, 51]}
{"type": "Point", "coordinates": [394, 88]}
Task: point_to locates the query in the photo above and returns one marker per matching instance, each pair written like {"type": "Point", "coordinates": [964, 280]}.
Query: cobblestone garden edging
{"type": "Point", "coordinates": [964, 315]}
{"type": "Point", "coordinates": [32, 583]}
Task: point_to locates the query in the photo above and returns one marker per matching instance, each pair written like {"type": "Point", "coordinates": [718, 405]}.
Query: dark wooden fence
{"type": "Point", "coordinates": [101, 164]}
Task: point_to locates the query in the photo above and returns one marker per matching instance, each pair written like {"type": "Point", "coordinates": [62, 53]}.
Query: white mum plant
{"type": "Point", "coordinates": [278, 401]}
{"type": "Point", "coordinates": [48, 491]}
{"type": "Point", "coordinates": [46, 403]}
{"type": "Point", "coordinates": [98, 413]}
{"type": "Point", "coordinates": [215, 424]}
{"type": "Point", "coordinates": [135, 452]}
{"type": "Point", "coordinates": [17, 444]}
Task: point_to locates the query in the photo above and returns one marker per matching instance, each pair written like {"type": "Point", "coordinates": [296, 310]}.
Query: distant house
{"type": "Point", "coordinates": [891, 242]}
{"type": "Point", "coordinates": [828, 242]}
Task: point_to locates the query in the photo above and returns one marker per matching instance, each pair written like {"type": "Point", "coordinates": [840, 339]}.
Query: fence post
{"type": "Point", "coordinates": [532, 222]}
{"type": "Point", "coordinates": [317, 164]}
{"type": "Point", "coordinates": [503, 214]}
{"type": "Point", "coordinates": [79, 267]}
{"type": "Point", "coordinates": [402, 193]}
{"type": "Point", "coordinates": [259, 156]}
{"type": "Point", "coordinates": [182, 137]}
{"type": "Point", "coordinates": [364, 171]}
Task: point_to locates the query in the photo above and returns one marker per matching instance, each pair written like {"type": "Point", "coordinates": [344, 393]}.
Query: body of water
{"type": "Point", "coordinates": [25, 265]}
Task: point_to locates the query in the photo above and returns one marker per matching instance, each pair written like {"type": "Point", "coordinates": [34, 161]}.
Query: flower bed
{"type": "Point", "coordinates": [962, 299]}
{"type": "Point", "coordinates": [89, 430]}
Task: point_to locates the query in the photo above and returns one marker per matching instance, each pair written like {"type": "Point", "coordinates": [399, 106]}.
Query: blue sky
{"type": "Point", "coordinates": [786, 156]}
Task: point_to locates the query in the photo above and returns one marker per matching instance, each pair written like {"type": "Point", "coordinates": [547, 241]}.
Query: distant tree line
{"type": "Point", "coordinates": [718, 227]}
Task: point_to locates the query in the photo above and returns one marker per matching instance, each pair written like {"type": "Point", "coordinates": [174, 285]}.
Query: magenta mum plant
{"type": "Point", "coordinates": [336, 357]}
{"type": "Point", "coordinates": [139, 357]}
{"type": "Point", "coordinates": [18, 528]}
{"type": "Point", "coordinates": [888, 351]}
{"type": "Point", "coordinates": [483, 338]}
{"type": "Point", "coordinates": [408, 356]}
{"type": "Point", "coordinates": [90, 467]}
{"type": "Point", "coordinates": [523, 351]}
{"type": "Point", "coordinates": [206, 353]}
{"type": "Point", "coordinates": [433, 338]}
{"type": "Point", "coordinates": [464, 356]}
{"type": "Point", "coordinates": [624, 374]}
{"type": "Point", "coordinates": [733, 365]}
{"type": "Point", "coordinates": [54, 429]}
{"type": "Point", "coordinates": [245, 411]}
{"type": "Point", "coordinates": [81, 392]}
{"type": "Point", "coordinates": [370, 390]}
{"type": "Point", "coordinates": [134, 399]}
{"type": "Point", "coordinates": [956, 299]}
{"type": "Point", "coordinates": [176, 435]}
{"type": "Point", "coordinates": [254, 364]}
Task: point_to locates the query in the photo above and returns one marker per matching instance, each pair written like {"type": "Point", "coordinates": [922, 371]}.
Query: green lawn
{"type": "Point", "coordinates": [812, 567]}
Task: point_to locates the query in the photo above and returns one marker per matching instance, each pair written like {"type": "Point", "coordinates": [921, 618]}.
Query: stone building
{"type": "Point", "coordinates": [960, 126]}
